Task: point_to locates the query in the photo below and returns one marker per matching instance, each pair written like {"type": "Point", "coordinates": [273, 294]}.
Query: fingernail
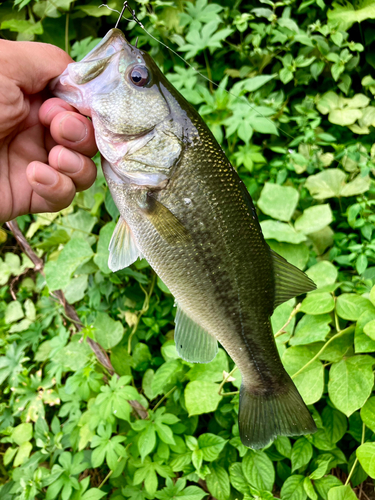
{"type": "Point", "coordinates": [72, 129]}
{"type": "Point", "coordinates": [45, 175]}
{"type": "Point", "coordinates": [69, 162]}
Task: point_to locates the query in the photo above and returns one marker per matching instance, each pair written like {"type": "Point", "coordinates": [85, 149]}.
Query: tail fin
{"type": "Point", "coordinates": [263, 417]}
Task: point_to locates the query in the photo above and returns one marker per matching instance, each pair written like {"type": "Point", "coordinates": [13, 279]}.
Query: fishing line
{"type": "Point", "coordinates": [137, 21]}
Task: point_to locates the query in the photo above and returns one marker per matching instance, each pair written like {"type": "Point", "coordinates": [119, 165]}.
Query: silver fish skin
{"type": "Point", "coordinates": [184, 208]}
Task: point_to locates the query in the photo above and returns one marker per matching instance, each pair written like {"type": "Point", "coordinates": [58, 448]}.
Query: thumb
{"type": "Point", "coordinates": [31, 65]}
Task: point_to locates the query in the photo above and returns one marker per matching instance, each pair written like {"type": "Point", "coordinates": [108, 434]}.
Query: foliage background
{"type": "Point", "coordinates": [304, 148]}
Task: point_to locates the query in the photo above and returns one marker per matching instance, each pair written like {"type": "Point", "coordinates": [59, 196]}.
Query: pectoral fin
{"type": "Point", "coordinates": [289, 280]}
{"type": "Point", "coordinates": [123, 250]}
{"type": "Point", "coordinates": [166, 224]}
{"type": "Point", "coordinates": [193, 343]}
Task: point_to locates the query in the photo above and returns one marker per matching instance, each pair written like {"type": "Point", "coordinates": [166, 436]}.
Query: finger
{"type": "Point", "coordinates": [52, 107]}
{"type": "Point", "coordinates": [56, 189]}
{"type": "Point", "coordinates": [79, 168]}
{"type": "Point", "coordinates": [49, 142]}
{"type": "Point", "coordinates": [31, 64]}
{"type": "Point", "coordinates": [74, 131]}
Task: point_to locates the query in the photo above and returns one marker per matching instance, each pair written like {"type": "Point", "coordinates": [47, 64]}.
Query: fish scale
{"type": "Point", "coordinates": [184, 208]}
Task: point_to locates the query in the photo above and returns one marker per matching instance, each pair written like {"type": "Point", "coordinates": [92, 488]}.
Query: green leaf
{"type": "Point", "coordinates": [324, 485]}
{"type": "Point", "coordinates": [258, 470]}
{"type": "Point", "coordinates": [277, 201]}
{"type": "Point", "coordinates": [344, 117]}
{"type": "Point", "coordinates": [298, 255]}
{"type": "Point", "coordinates": [9, 455]}
{"type": "Point", "coordinates": [346, 14]}
{"type": "Point", "coordinates": [75, 253]}
{"type": "Point", "coordinates": [301, 453]}
{"type": "Point", "coordinates": [331, 183]}
{"type": "Point", "coordinates": [283, 446]}
{"type": "Point", "coordinates": [350, 383]}
{"type": "Point", "coordinates": [326, 184]}
{"type": "Point", "coordinates": [323, 273]}
{"type": "Point", "coordinates": [286, 75]}
{"type": "Point", "coordinates": [211, 445]}
{"type": "Point", "coordinates": [94, 10]}
{"type": "Point", "coordinates": [74, 355]}
{"type": "Point", "coordinates": [293, 488]}
{"type": "Point", "coordinates": [147, 441]}
{"type": "Point", "coordinates": [368, 414]}
{"type": "Point", "coordinates": [281, 232]}
{"type": "Point", "coordinates": [318, 303]}
{"type": "Point", "coordinates": [13, 312]}
{"type": "Point", "coordinates": [22, 433]}
{"type": "Point", "coordinates": [218, 482]}
{"type": "Point", "coordinates": [23, 454]}
{"type": "Point", "coordinates": [362, 342]}
{"type": "Point", "coordinates": [310, 382]}
{"type": "Point", "coordinates": [341, 493]}
{"type": "Point", "coordinates": [107, 331]}
{"type": "Point", "coordinates": [93, 494]}
{"type": "Point", "coordinates": [357, 186]}
{"type": "Point", "coordinates": [102, 252]}
{"type": "Point", "coordinates": [163, 376]}
{"type": "Point", "coordinates": [76, 289]}
{"type": "Point", "coordinates": [351, 306]}
{"type": "Point", "coordinates": [254, 83]}
{"type": "Point", "coordinates": [210, 372]}
{"type": "Point", "coordinates": [328, 102]}
{"type": "Point", "coordinates": [369, 329]}
{"type": "Point", "coordinates": [237, 478]}
{"type": "Point", "coordinates": [366, 457]}
{"type": "Point", "coordinates": [309, 488]}
{"type": "Point", "coordinates": [311, 329]}
{"type": "Point", "coordinates": [201, 397]}
{"type": "Point", "coordinates": [335, 424]}
{"type": "Point", "coordinates": [314, 219]}
{"type": "Point", "coordinates": [21, 26]}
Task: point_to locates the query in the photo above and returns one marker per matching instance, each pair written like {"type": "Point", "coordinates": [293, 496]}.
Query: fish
{"type": "Point", "coordinates": [185, 209]}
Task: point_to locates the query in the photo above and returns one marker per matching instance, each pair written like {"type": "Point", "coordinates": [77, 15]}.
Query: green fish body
{"type": "Point", "coordinates": [184, 208]}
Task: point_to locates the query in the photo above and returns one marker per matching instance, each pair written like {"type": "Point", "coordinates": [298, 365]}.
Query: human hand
{"type": "Point", "coordinates": [45, 145]}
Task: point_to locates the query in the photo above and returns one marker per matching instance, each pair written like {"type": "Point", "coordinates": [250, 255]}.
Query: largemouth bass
{"type": "Point", "coordinates": [184, 208]}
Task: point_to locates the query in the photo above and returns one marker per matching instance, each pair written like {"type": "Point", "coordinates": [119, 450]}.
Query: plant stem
{"type": "Point", "coordinates": [292, 314]}
{"type": "Point", "coordinates": [67, 46]}
{"type": "Point", "coordinates": [164, 397]}
{"type": "Point", "coordinates": [111, 471]}
{"type": "Point", "coordinates": [356, 458]}
{"type": "Point", "coordinates": [144, 309]}
{"type": "Point", "coordinates": [209, 74]}
{"type": "Point", "coordinates": [224, 382]}
{"type": "Point", "coordinates": [343, 332]}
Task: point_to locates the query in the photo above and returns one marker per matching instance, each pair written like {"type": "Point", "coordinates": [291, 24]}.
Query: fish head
{"type": "Point", "coordinates": [117, 85]}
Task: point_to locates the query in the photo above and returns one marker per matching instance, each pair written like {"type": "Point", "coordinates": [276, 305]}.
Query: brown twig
{"type": "Point", "coordinates": [23, 243]}
{"type": "Point", "coordinates": [70, 312]}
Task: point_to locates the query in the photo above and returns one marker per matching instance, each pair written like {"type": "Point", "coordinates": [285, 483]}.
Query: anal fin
{"type": "Point", "coordinates": [193, 343]}
{"type": "Point", "coordinates": [289, 280]}
{"type": "Point", "coordinates": [123, 250]}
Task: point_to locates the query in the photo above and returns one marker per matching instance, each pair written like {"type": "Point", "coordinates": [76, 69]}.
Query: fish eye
{"type": "Point", "coordinates": [139, 75]}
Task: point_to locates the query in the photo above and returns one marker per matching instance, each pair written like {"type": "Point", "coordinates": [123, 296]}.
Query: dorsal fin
{"type": "Point", "coordinates": [193, 343]}
{"type": "Point", "coordinates": [123, 250]}
{"type": "Point", "coordinates": [289, 280]}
